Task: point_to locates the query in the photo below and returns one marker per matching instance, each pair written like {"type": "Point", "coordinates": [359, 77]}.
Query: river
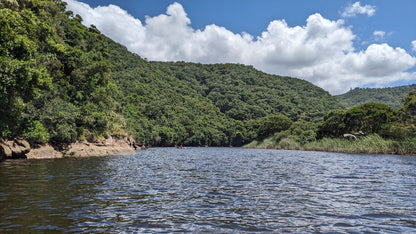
{"type": "Point", "coordinates": [215, 190]}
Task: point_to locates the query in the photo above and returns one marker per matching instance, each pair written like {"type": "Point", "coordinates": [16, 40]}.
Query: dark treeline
{"type": "Point", "coordinates": [62, 82]}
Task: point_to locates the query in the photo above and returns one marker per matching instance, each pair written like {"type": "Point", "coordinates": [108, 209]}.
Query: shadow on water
{"type": "Point", "coordinates": [210, 190]}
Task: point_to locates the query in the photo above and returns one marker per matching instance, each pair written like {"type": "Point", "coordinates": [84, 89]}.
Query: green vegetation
{"type": "Point", "coordinates": [242, 92]}
{"type": "Point", "coordinates": [62, 82]}
{"type": "Point", "coordinates": [386, 131]}
{"type": "Point", "coordinates": [371, 144]}
{"type": "Point", "coordinates": [54, 81]}
{"type": "Point", "coordinates": [390, 96]}
{"type": "Point", "coordinates": [368, 118]}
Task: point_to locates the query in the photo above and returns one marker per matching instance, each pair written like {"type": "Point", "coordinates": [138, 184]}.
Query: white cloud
{"type": "Point", "coordinates": [356, 9]}
{"type": "Point", "coordinates": [379, 35]}
{"type": "Point", "coordinates": [321, 51]}
{"type": "Point", "coordinates": [379, 60]}
{"type": "Point", "coordinates": [414, 45]}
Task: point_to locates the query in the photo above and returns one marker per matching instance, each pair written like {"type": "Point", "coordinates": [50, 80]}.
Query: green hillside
{"type": "Point", "coordinates": [54, 81]}
{"type": "Point", "coordinates": [242, 92]}
{"type": "Point", "coordinates": [167, 103]}
{"type": "Point", "coordinates": [61, 82]}
{"type": "Point", "coordinates": [392, 97]}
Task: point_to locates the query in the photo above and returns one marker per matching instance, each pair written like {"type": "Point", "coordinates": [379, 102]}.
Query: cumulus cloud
{"type": "Point", "coordinates": [321, 51]}
{"type": "Point", "coordinates": [379, 60]}
{"type": "Point", "coordinates": [414, 45]}
{"type": "Point", "coordinates": [356, 9]}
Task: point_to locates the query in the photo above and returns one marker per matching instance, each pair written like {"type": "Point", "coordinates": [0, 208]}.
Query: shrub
{"type": "Point", "coordinates": [273, 124]}
{"type": "Point", "coordinates": [64, 133]}
{"type": "Point", "coordinates": [398, 131]}
{"type": "Point", "coordinates": [307, 136]}
{"type": "Point", "coordinates": [37, 133]}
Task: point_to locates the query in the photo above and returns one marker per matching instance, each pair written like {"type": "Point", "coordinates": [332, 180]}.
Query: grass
{"type": "Point", "coordinates": [267, 143]}
{"type": "Point", "coordinates": [372, 144]}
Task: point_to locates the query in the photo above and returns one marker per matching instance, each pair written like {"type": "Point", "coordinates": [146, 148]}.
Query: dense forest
{"type": "Point", "coordinates": [54, 81]}
{"type": "Point", "coordinates": [391, 96]}
{"type": "Point", "coordinates": [62, 82]}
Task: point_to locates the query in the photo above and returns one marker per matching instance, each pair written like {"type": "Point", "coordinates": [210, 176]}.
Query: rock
{"type": "Point", "coordinates": [80, 150]}
{"type": "Point", "coordinates": [44, 152]}
{"type": "Point", "coordinates": [5, 151]}
{"type": "Point", "coordinates": [23, 145]}
{"type": "Point", "coordinates": [132, 143]}
{"type": "Point", "coordinates": [17, 148]}
{"type": "Point", "coordinates": [103, 148]}
{"type": "Point", "coordinates": [14, 148]}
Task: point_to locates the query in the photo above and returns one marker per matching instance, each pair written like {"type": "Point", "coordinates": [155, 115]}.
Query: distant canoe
{"type": "Point", "coordinates": [350, 136]}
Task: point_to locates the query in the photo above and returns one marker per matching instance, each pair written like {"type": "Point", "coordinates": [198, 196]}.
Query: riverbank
{"type": "Point", "coordinates": [372, 144]}
{"type": "Point", "coordinates": [19, 148]}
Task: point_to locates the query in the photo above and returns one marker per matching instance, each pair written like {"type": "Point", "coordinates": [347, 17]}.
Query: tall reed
{"type": "Point", "coordinates": [371, 144]}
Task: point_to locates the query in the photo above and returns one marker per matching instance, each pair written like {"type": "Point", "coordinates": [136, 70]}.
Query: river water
{"type": "Point", "coordinates": [215, 190]}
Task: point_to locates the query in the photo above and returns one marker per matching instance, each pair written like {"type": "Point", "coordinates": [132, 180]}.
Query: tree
{"type": "Point", "coordinates": [368, 117]}
{"type": "Point", "coordinates": [409, 106]}
{"type": "Point", "coordinates": [333, 124]}
{"type": "Point", "coordinates": [273, 124]}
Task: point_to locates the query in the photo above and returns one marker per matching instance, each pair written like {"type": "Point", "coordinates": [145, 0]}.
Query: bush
{"type": "Point", "coordinates": [273, 124]}
{"type": "Point", "coordinates": [64, 133]}
{"type": "Point", "coordinates": [37, 133]}
{"type": "Point", "coordinates": [398, 131]}
{"type": "Point", "coordinates": [307, 136]}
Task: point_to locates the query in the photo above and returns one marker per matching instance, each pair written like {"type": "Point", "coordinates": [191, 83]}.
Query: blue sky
{"type": "Point", "coordinates": [252, 16]}
{"type": "Point", "coordinates": [369, 47]}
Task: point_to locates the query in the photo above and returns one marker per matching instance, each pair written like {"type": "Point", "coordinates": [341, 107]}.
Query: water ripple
{"type": "Point", "coordinates": [221, 190]}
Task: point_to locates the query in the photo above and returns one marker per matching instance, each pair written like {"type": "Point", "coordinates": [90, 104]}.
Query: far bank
{"type": "Point", "coordinates": [372, 144]}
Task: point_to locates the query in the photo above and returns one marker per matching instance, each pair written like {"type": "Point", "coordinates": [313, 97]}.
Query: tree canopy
{"type": "Point", "coordinates": [62, 82]}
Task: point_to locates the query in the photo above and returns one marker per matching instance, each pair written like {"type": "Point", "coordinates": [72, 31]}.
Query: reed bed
{"type": "Point", "coordinates": [371, 144]}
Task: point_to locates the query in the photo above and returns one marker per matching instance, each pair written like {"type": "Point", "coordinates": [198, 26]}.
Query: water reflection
{"type": "Point", "coordinates": [210, 190]}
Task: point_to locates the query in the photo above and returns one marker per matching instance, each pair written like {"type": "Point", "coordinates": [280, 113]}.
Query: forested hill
{"type": "Point", "coordinates": [242, 92]}
{"type": "Point", "coordinates": [392, 96]}
{"type": "Point", "coordinates": [221, 104]}
{"type": "Point", "coordinates": [61, 82]}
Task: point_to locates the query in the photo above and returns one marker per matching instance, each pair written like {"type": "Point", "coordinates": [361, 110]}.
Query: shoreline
{"type": "Point", "coordinates": [371, 144]}
{"type": "Point", "coordinates": [339, 152]}
{"type": "Point", "coordinates": [21, 149]}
